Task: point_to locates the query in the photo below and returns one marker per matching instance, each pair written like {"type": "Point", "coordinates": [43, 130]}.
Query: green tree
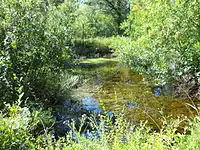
{"type": "Point", "coordinates": [90, 22]}
{"type": "Point", "coordinates": [119, 9]}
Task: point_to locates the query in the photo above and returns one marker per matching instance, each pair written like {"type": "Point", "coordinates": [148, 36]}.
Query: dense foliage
{"type": "Point", "coordinates": [17, 125]}
{"type": "Point", "coordinates": [164, 44]}
{"type": "Point", "coordinates": [33, 48]}
{"type": "Point", "coordinates": [41, 40]}
{"type": "Point", "coordinates": [91, 22]}
{"type": "Point", "coordinates": [118, 9]}
{"type": "Point", "coordinates": [99, 18]}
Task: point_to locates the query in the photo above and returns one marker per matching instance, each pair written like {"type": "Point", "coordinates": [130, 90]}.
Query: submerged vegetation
{"type": "Point", "coordinates": [99, 74]}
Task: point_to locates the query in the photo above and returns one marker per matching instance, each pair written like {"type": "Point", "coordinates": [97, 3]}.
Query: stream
{"type": "Point", "coordinates": [110, 88]}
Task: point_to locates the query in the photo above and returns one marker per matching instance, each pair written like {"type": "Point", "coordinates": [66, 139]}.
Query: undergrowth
{"type": "Point", "coordinates": [18, 131]}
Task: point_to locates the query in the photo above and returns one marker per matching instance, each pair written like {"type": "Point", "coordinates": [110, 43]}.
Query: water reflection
{"type": "Point", "coordinates": [127, 92]}
{"type": "Point", "coordinates": [91, 105]}
{"type": "Point", "coordinates": [82, 115]}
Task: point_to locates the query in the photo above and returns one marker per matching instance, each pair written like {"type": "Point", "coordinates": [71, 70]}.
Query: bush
{"type": "Point", "coordinates": [18, 126]}
{"type": "Point", "coordinates": [33, 48]}
{"type": "Point", "coordinates": [164, 42]}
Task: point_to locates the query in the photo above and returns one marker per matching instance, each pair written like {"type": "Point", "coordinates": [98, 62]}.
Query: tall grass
{"type": "Point", "coordinates": [123, 136]}
{"type": "Point", "coordinates": [18, 124]}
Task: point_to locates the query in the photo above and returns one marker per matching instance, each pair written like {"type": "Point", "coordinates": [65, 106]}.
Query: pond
{"type": "Point", "coordinates": [118, 89]}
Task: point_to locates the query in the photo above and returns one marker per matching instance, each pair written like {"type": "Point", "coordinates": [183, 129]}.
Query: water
{"type": "Point", "coordinates": [120, 90]}
{"type": "Point", "coordinates": [81, 115]}
{"type": "Point", "coordinates": [91, 105]}
{"type": "Point", "coordinates": [157, 91]}
{"type": "Point", "coordinates": [125, 91]}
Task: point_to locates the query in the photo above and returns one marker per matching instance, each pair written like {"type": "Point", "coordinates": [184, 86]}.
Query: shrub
{"type": "Point", "coordinates": [164, 41]}
{"type": "Point", "coordinates": [33, 48]}
{"type": "Point", "coordinates": [20, 127]}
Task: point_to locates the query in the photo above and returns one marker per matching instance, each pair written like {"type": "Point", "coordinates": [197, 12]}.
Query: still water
{"type": "Point", "coordinates": [118, 89]}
